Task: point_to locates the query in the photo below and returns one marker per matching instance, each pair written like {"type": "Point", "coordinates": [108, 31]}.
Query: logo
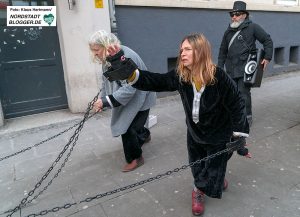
{"type": "Point", "coordinates": [48, 18]}
{"type": "Point", "coordinates": [31, 16]}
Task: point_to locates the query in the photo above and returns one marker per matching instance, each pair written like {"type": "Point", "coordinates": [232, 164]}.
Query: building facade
{"type": "Point", "coordinates": [49, 68]}
{"type": "Point", "coordinates": [44, 69]}
{"type": "Point", "coordinates": [155, 28]}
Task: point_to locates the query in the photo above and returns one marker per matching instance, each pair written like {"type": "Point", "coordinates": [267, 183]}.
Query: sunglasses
{"type": "Point", "coordinates": [237, 14]}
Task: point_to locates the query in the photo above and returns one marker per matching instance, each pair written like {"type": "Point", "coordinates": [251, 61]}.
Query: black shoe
{"type": "Point", "coordinates": [148, 139]}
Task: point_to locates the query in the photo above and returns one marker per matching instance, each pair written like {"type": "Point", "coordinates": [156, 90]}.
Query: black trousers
{"type": "Point", "coordinates": [246, 94]}
{"type": "Point", "coordinates": [135, 136]}
{"type": "Point", "coordinates": [208, 175]}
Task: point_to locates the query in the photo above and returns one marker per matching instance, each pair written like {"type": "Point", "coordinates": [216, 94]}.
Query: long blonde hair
{"type": "Point", "coordinates": [203, 69]}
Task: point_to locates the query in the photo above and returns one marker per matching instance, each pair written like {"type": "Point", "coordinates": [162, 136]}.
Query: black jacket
{"type": "Point", "coordinates": [235, 58]}
{"type": "Point", "coordinates": [222, 109]}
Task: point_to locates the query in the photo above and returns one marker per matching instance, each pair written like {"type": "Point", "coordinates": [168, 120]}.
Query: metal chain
{"type": "Point", "coordinates": [151, 179]}
{"type": "Point", "coordinates": [74, 138]}
{"type": "Point", "coordinates": [42, 142]}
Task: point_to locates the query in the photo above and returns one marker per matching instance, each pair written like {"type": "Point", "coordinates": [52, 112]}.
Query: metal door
{"type": "Point", "coordinates": [31, 72]}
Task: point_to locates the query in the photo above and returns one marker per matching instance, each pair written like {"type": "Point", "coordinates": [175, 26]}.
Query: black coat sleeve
{"type": "Point", "coordinates": [265, 39]}
{"type": "Point", "coordinates": [223, 50]}
{"type": "Point", "coordinates": [157, 82]}
{"type": "Point", "coordinates": [233, 102]}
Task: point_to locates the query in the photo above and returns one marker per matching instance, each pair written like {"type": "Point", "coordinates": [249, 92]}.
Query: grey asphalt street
{"type": "Point", "coordinates": [267, 185]}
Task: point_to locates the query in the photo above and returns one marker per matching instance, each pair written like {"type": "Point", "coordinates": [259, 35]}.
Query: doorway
{"type": "Point", "coordinates": [31, 71]}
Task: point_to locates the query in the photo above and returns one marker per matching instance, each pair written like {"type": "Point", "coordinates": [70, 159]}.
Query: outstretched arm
{"type": "Point", "coordinates": [123, 68]}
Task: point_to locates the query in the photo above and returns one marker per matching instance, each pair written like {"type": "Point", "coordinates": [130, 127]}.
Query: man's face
{"type": "Point", "coordinates": [186, 53]}
{"type": "Point", "coordinates": [237, 18]}
{"type": "Point", "coordinates": [98, 51]}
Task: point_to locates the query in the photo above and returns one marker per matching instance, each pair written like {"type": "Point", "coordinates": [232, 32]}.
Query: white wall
{"type": "Point", "coordinates": [260, 5]}
{"type": "Point", "coordinates": [74, 28]}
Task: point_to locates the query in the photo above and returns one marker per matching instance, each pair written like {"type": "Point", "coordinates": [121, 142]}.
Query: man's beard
{"type": "Point", "coordinates": [236, 24]}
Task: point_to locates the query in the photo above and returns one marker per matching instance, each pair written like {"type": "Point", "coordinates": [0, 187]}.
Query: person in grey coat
{"type": "Point", "coordinates": [130, 107]}
{"type": "Point", "coordinates": [234, 54]}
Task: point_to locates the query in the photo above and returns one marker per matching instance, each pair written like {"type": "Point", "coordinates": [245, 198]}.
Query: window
{"type": "Point", "coordinates": [279, 56]}
{"type": "Point", "coordinates": [294, 55]}
{"type": "Point", "coordinates": [287, 2]}
{"type": "Point", "coordinates": [21, 3]}
{"type": "Point", "coordinates": [3, 5]}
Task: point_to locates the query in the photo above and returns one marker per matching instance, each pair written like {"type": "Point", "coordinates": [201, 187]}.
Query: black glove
{"type": "Point", "coordinates": [116, 60]}
{"type": "Point", "coordinates": [121, 67]}
{"type": "Point", "coordinates": [243, 151]}
{"type": "Point", "coordinates": [236, 143]}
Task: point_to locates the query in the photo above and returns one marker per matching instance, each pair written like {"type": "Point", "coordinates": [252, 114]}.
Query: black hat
{"type": "Point", "coordinates": [239, 6]}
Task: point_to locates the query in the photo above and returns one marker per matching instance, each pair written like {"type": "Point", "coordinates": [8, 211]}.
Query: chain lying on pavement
{"type": "Point", "coordinates": [151, 179]}
{"type": "Point", "coordinates": [42, 142]}
{"type": "Point", "coordinates": [73, 139]}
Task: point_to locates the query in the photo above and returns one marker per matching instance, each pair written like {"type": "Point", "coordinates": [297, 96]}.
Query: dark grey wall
{"type": "Point", "coordinates": [155, 33]}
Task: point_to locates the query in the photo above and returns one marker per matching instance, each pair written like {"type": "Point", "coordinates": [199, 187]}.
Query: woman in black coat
{"type": "Point", "coordinates": [214, 109]}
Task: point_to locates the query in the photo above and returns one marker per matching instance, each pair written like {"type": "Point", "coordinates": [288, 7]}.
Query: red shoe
{"type": "Point", "coordinates": [134, 164]}
{"type": "Point", "coordinates": [197, 202]}
{"type": "Point", "coordinates": [225, 185]}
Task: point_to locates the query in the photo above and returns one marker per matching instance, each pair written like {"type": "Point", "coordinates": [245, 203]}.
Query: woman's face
{"type": "Point", "coordinates": [98, 51]}
{"type": "Point", "coordinates": [186, 53]}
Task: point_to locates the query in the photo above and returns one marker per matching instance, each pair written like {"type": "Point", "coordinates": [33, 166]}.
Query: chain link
{"type": "Point", "coordinates": [42, 142]}
{"type": "Point", "coordinates": [142, 182]}
{"type": "Point", "coordinates": [73, 139]}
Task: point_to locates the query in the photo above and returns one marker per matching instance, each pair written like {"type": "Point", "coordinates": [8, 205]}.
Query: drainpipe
{"type": "Point", "coordinates": [112, 17]}
{"type": "Point", "coordinates": [1, 116]}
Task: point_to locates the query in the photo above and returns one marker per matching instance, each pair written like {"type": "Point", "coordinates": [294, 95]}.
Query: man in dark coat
{"type": "Point", "coordinates": [234, 53]}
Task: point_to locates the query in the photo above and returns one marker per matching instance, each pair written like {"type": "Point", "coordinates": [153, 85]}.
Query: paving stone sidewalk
{"type": "Point", "coordinates": [268, 185]}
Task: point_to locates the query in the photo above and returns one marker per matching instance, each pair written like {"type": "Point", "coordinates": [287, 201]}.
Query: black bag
{"type": "Point", "coordinates": [254, 69]}
{"type": "Point", "coordinates": [253, 72]}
